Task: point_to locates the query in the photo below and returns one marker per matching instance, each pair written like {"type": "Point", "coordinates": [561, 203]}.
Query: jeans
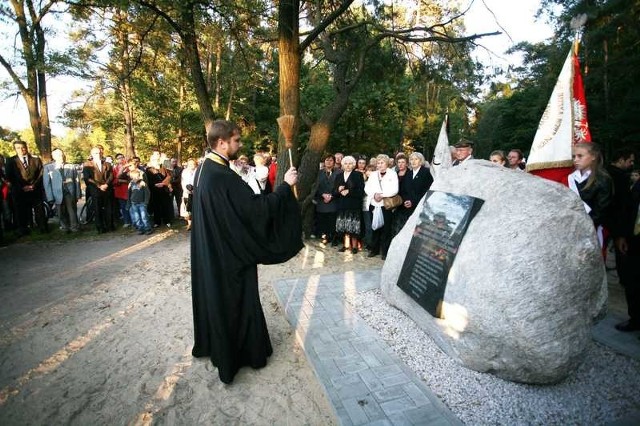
{"type": "Point", "coordinates": [140, 217]}
{"type": "Point", "coordinates": [122, 205]}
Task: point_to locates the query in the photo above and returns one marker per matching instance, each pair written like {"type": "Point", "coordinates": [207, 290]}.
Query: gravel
{"type": "Point", "coordinates": [605, 388]}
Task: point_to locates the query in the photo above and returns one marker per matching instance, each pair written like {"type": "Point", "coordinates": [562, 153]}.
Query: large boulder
{"type": "Point", "coordinates": [526, 284]}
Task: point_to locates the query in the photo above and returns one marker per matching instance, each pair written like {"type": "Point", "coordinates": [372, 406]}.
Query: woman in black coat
{"type": "Point", "coordinates": [415, 183]}
{"type": "Point", "coordinates": [349, 190]}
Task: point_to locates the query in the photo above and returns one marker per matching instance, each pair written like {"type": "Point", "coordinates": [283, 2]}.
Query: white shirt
{"type": "Point", "coordinates": [387, 185]}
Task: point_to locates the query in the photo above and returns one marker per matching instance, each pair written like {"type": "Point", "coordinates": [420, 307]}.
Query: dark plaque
{"type": "Point", "coordinates": [442, 223]}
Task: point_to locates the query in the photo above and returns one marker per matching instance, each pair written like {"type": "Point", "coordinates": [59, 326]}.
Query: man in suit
{"type": "Point", "coordinates": [622, 225]}
{"type": "Point", "coordinates": [62, 187]}
{"type": "Point", "coordinates": [98, 176]}
{"type": "Point", "coordinates": [464, 151]}
{"type": "Point", "coordinates": [24, 173]}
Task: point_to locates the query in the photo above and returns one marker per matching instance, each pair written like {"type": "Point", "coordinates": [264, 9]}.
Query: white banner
{"type": "Point", "coordinates": [553, 141]}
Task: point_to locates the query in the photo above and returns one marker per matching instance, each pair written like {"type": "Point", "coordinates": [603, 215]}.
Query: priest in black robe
{"type": "Point", "coordinates": [233, 231]}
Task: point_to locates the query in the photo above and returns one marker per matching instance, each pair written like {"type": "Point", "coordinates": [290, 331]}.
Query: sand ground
{"type": "Point", "coordinates": [99, 330]}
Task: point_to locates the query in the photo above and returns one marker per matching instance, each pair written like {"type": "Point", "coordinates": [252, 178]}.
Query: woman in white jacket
{"type": "Point", "coordinates": [382, 183]}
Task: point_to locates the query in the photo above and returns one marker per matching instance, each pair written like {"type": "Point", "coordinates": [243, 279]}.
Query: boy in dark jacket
{"type": "Point", "coordinates": [139, 196]}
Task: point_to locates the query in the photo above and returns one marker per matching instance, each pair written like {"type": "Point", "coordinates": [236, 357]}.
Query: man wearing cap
{"type": "Point", "coordinates": [464, 151]}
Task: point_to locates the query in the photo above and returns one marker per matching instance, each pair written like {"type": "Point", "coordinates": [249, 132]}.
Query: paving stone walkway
{"type": "Point", "coordinates": [365, 380]}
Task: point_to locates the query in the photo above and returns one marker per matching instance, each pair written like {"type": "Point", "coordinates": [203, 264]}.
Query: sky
{"type": "Point", "coordinates": [514, 18]}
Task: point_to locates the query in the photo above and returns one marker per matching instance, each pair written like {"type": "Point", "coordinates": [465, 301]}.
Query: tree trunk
{"type": "Point", "coordinates": [127, 110]}
{"type": "Point", "coordinates": [190, 45]}
{"type": "Point", "coordinates": [124, 85]}
{"type": "Point", "coordinates": [216, 102]}
{"type": "Point", "coordinates": [32, 38]}
{"type": "Point", "coordinates": [181, 131]}
{"type": "Point", "coordinates": [289, 78]}
{"type": "Point", "coordinates": [230, 102]}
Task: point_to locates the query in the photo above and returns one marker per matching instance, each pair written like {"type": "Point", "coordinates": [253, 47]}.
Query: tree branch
{"type": "Point", "coordinates": [14, 76]}
{"type": "Point", "coordinates": [324, 24]}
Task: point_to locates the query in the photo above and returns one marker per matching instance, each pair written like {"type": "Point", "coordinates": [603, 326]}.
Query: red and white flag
{"type": "Point", "coordinates": [442, 153]}
{"type": "Point", "coordinates": [563, 124]}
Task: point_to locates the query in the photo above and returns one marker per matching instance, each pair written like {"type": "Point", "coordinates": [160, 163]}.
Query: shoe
{"type": "Point", "coordinates": [140, 232]}
{"type": "Point", "coordinates": [126, 225]}
{"type": "Point", "coordinates": [343, 249]}
{"type": "Point", "coordinates": [354, 250]}
{"type": "Point", "coordinates": [149, 232]}
{"type": "Point", "coordinates": [372, 254]}
{"type": "Point", "coordinates": [627, 326]}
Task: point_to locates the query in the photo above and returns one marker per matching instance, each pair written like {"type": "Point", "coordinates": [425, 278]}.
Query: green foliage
{"type": "Point", "coordinates": [398, 103]}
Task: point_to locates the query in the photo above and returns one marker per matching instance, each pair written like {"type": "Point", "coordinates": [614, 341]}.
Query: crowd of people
{"type": "Point", "coordinates": [367, 208]}
{"type": "Point", "coordinates": [118, 193]}
{"type": "Point", "coordinates": [360, 203]}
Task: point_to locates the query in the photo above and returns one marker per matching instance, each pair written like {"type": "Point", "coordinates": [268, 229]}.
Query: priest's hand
{"type": "Point", "coordinates": [291, 176]}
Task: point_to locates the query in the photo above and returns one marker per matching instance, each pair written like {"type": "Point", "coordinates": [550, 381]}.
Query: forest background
{"type": "Point", "coordinates": [362, 77]}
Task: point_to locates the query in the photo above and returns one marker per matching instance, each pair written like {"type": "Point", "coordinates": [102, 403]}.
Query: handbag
{"type": "Point", "coordinates": [391, 203]}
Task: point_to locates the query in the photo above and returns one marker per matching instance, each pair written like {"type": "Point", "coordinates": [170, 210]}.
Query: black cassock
{"type": "Point", "coordinates": [233, 231]}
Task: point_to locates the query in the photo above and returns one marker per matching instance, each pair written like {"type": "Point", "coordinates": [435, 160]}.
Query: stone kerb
{"type": "Point", "coordinates": [526, 284]}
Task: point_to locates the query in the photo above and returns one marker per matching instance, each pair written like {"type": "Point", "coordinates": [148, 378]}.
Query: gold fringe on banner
{"type": "Point", "coordinates": [549, 165]}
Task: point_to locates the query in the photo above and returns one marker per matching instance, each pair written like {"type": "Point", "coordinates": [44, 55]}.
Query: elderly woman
{"type": "Point", "coordinates": [261, 172]}
{"type": "Point", "coordinates": [349, 190]}
{"type": "Point", "coordinates": [420, 181]}
{"type": "Point", "coordinates": [413, 186]}
{"type": "Point", "coordinates": [186, 180]}
{"type": "Point", "coordinates": [382, 183]}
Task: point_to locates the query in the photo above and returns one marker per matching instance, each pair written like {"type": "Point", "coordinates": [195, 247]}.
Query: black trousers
{"type": "Point", "coordinates": [327, 224]}
{"type": "Point", "coordinates": [381, 238]}
{"type": "Point", "coordinates": [628, 268]}
{"type": "Point", "coordinates": [177, 196]}
{"type": "Point", "coordinates": [103, 203]}
{"type": "Point", "coordinates": [26, 205]}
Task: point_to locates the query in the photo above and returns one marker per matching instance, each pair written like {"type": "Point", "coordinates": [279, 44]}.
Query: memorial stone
{"type": "Point", "coordinates": [526, 283]}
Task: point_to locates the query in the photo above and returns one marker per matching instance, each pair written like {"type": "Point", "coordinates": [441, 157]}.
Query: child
{"type": "Point", "coordinates": [139, 195]}
{"type": "Point", "coordinates": [592, 183]}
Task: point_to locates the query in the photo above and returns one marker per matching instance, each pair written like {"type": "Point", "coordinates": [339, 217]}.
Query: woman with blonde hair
{"type": "Point", "coordinates": [592, 183]}
{"type": "Point", "coordinates": [382, 183]}
{"type": "Point", "coordinates": [498, 157]}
